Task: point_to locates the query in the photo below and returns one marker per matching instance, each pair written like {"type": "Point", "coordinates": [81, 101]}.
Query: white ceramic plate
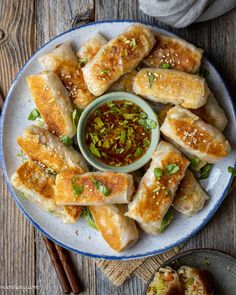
{"type": "Point", "coordinates": [88, 241]}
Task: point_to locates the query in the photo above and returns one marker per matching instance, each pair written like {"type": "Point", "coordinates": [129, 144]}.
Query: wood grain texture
{"type": "Point", "coordinates": [17, 246]}
{"type": "Point", "coordinates": [27, 25]}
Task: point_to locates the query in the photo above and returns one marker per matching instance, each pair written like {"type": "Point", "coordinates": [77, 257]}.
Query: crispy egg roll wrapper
{"type": "Point", "coordinates": [118, 230]}
{"type": "Point", "coordinates": [97, 188]}
{"type": "Point", "coordinates": [63, 61]}
{"type": "Point", "coordinates": [194, 136]}
{"type": "Point", "coordinates": [118, 57]}
{"type": "Point", "coordinates": [155, 195]}
{"type": "Point", "coordinates": [38, 186]}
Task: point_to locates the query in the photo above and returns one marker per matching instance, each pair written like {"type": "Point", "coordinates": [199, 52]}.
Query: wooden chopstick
{"type": "Point", "coordinates": [56, 262]}
{"type": "Point", "coordinates": [63, 267]}
{"type": "Point", "coordinates": [68, 268]}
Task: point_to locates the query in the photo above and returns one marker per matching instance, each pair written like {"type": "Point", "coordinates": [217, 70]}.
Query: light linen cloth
{"type": "Point", "coordinates": [181, 13]}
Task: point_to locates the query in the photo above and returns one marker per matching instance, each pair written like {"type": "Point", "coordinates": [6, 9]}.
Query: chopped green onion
{"type": "Point", "coordinates": [166, 220]}
{"type": "Point", "coordinates": [122, 136]}
{"type": "Point", "coordinates": [165, 66]}
{"type": "Point", "coordinates": [158, 172]}
{"type": "Point", "coordinates": [171, 169]}
{"type": "Point", "coordinates": [129, 116]}
{"type": "Point", "coordinates": [151, 78]}
{"type": "Point", "coordinates": [119, 150]}
{"type": "Point", "coordinates": [146, 142]}
{"type": "Point", "coordinates": [77, 189]}
{"type": "Point", "coordinates": [148, 124]}
{"type": "Point", "coordinates": [94, 150]}
{"type": "Point", "coordinates": [232, 170]}
{"type": "Point", "coordinates": [106, 144]}
{"type": "Point", "coordinates": [105, 71]}
{"type": "Point", "coordinates": [50, 171]}
{"type": "Point", "coordinates": [89, 218]}
{"type": "Point", "coordinates": [99, 122]}
{"type": "Point", "coordinates": [66, 140]}
{"type": "Point", "coordinates": [143, 115]}
{"type": "Point", "coordinates": [102, 188]}
{"type": "Point", "coordinates": [129, 103]}
{"type": "Point", "coordinates": [194, 162]}
{"type": "Point", "coordinates": [205, 171]}
{"type": "Point", "coordinates": [130, 132]}
{"type": "Point", "coordinates": [34, 115]}
{"type": "Point", "coordinates": [75, 117]}
{"type": "Point", "coordinates": [82, 61]}
{"type": "Point", "coordinates": [138, 152]}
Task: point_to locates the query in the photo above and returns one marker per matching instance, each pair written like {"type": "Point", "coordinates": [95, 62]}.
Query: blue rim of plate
{"type": "Point", "coordinates": [111, 257]}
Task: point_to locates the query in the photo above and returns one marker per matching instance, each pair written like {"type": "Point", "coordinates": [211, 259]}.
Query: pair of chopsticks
{"type": "Point", "coordinates": [63, 267]}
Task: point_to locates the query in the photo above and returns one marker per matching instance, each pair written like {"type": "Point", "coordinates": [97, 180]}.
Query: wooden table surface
{"type": "Point", "coordinates": [25, 25]}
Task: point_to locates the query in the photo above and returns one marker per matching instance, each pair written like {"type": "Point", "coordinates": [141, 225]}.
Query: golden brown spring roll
{"type": "Point", "coordinates": [211, 113]}
{"type": "Point", "coordinates": [63, 61]}
{"type": "Point", "coordinates": [190, 196]}
{"type": "Point", "coordinates": [118, 57]}
{"type": "Point", "coordinates": [38, 186]}
{"type": "Point", "coordinates": [194, 135]}
{"type": "Point", "coordinates": [165, 282]}
{"type": "Point", "coordinates": [157, 188]}
{"type": "Point", "coordinates": [47, 150]}
{"type": "Point", "coordinates": [196, 281]}
{"type": "Point", "coordinates": [93, 188]}
{"type": "Point", "coordinates": [53, 103]}
{"type": "Point", "coordinates": [90, 48]}
{"type": "Point", "coordinates": [171, 86]}
{"type": "Point", "coordinates": [118, 230]}
{"type": "Point", "coordinates": [174, 53]}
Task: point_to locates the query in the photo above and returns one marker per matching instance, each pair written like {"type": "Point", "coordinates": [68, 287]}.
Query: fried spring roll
{"type": "Point", "coordinates": [196, 281]}
{"type": "Point", "coordinates": [165, 282]}
{"type": "Point", "coordinates": [118, 230]}
{"type": "Point", "coordinates": [53, 103]}
{"type": "Point", "coordinates": [38, 186]}
{"type": "Point", "coordinates": [171, 86]}
{"type": "Point", "coordinates": [194, 135]}
{"type": "Point", "coordinates": [157, 188]}
{"type": "Point", "coordinates": [47, 150]}
{"type": "Point", "coordinates": [118, 57]}
{"type": "Point", "coordinates": [90, 48]}
{"type": "Point", "coordinates": [93, 188]}
{"type": "Point", "coordinates": [190, 196]}
{"type": "Point", "coordinates": [175, 53]}
{"type": "Point", "coordinates": [63, 61]}
{"type": "Point", "coordinates": [212, 113]}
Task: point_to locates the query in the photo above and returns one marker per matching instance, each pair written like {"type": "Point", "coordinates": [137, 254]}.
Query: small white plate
{"type": "Point", "coordinates": [79, 237]}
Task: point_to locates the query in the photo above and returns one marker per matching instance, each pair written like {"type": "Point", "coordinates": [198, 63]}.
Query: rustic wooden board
{"type": "Point", "coordinates": [29, 24]}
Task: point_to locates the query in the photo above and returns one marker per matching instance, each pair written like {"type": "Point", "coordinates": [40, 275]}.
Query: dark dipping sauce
{"type": "Point", "coordinates": [118, 133]}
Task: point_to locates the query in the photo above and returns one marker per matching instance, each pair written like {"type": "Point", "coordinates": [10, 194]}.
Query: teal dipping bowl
{"type": "Point", "coordinates": [109, 97]}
